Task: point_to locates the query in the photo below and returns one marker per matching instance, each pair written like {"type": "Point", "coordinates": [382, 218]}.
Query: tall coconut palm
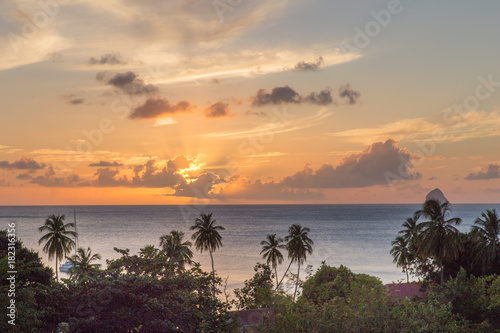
{"type": "Point", "coordinates": [439, 239]}
{"type": "Point", "coordinates": [411, 232]}
{"type": "Point", "coordinates": [486, 233]}
{"type": "Point", "coordinates": [82, 263]}
{"type": "Point", "coordinates": [298, 246]}
{"type": "Point", "coordinates": [178, 252]}
{"type": "Point", "coordinates": [58, 240]}
{"type": "Point", "coordinates": [401, 254]}
{"type": "Point", "coordinates": [207, 238]}
{"type": "Point", "coordinates": [271, 252]}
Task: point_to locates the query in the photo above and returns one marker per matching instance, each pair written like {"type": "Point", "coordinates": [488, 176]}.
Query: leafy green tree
{"type": "Point", "coordinates": [207, 237]}
{"type": "Point", "coordinates": [258, 291]}
{"type": "Point", "coordinates": [271, 252]}
{"type": "Point", "coordinates": [439, 238]}
{"type": "Point", "coordinates": [486, 233]}
{"type": "Point", "coordinates": [149, 262]}
{"type": "Point", "coordinates": [83, 263]}
{"type": "Point", "coordinates": [178, 252]}
{"type": "Point", "coordinates": [130, 297]}
{"type": "Point", "coordinates": [299, 245]}
{"type": "Point", "coordinates": [337, 300]}
{"type": "Point", "coordinates": [401, 253]}
{"type": "Point", "coordinates": [58, 240]}
{"type": "Point", "coordinates": [31, 278]}
{"type": "Point", "coordinates": [475, 299]}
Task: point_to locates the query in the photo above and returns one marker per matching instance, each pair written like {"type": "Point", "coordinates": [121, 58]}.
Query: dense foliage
{"type": "Point", "coordinates": [431, 248]}
{"type": "Point", "coordinates": [155, 291]}
{"type": "Point", "coordinates": [135, 294]}
{"type": "Point", "coordinates": [337, 300]}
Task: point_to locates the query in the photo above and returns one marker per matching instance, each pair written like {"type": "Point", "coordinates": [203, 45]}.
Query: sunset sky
{"type": "Point", "coordinates": [234, 101]}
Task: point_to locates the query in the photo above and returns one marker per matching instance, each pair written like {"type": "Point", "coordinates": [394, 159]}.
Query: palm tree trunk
{"type": "Point", "coordinates": [213, 271]}
{"type": "Point", "coordinates": [442, 273]}
{"type": "Point", "coordinates": [297, 284]}
{"type": "Point", "coordinates": [284, 274]}
{"type": "Point", "coordinates": [57, 271]}
{"type": "Point", "coordinates": [407, 277]}
{"type": "Point", "coordinates": [276, 274]}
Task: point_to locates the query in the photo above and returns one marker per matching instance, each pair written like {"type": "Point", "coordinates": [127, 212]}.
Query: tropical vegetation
{"type": "Point", "coordinates": [162, 289]}
{"type": "Point", "coordinates": [59, 241]}
{"type": "Point", "coordinates": [431, 247]}
{"type": "Point", "coordinates": [207, 238]}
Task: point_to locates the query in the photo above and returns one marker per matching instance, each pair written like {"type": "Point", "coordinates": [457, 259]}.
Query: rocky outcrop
{"type": "Point", "coordinates": [436, 194]}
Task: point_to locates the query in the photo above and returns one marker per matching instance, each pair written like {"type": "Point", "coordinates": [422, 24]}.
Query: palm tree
{"type": "Point", "coordinates": [298, 245]}
{"type": "Point", "coordinates": [58, 241]}
{"type": "Point", "coordinates": [411, 232]}
{"type": "Point", "coordinates": [178, 252]}
{"type": "Point", "coordinates": [486, 233]}
{"type": "Point", "coordinates": [82, 262]}
{"type": "Point", "coordinates": [271, 251]}
{"type": "Point", "coordinates": [439, 239]}
{"type": "Point", "coordinates": [207, 238]}
{"type": "Point", "coordinates": [401, 254]}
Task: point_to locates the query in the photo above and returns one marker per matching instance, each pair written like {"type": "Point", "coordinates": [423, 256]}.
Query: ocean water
{"type": "Point", "coordinates": [357, 236]}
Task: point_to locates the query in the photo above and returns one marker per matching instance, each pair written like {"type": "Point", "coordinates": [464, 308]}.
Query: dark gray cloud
{"type": "Point", "coordinates": [106, 177]}
{"type": "Point", "coordinates": [352, 95]}
{"type": "Point", "coordinates": [278, 95]}
{"type": "Point", "coordinates": [217, 110]}
{"type": "Point", "coordinates": [259, 190]}
{"type": "Point", "coordinates": [324, 97]}
{"type": "Point", "coordinates": [375, 165]}
{"type": "Point", "coordinates": [128, 83]}
{"type": "Point", "coordinates": [155, 107]}
{"type": "Point", "coordinates": [200, 188]}
{"type": "Point", "coordinates": [149, 174]}
{"type": "Point", "coordinates": [24, 176]}
{"type": "Point", "coordinates": [287, 95]}
{"type": "Point", "coordinates": [367, 168]}
{"type": "Point", "coordinates": [108, 59]}
{"type": "Point", "coordinates": [370, 167]}
{"type": "Point", "coordinates": [25, 163]}
{"type": "Point", "coordinates": [106, 164]}
{"type": "Point", "coordinates": [51, 179]}
{"type": "Point", "coordinates": [145, 175]}
{"type": "Point", "coordinates": [308, 66]}
{"type": "Point", "coordinates": [491, 171]}
{"type": "Point", "coordinates": [76, 101]}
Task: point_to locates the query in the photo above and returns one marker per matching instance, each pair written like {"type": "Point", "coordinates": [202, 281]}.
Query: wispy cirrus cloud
{"type": "Point", "coordinates": [470, 125]}
{"type": "Point", "coordinates": [111, 59]}
{"type": "Point", "coordinates": [290, 125]}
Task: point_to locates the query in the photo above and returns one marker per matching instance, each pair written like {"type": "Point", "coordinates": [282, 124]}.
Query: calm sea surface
{"type": "Point", "coordinates": [357, 236]}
